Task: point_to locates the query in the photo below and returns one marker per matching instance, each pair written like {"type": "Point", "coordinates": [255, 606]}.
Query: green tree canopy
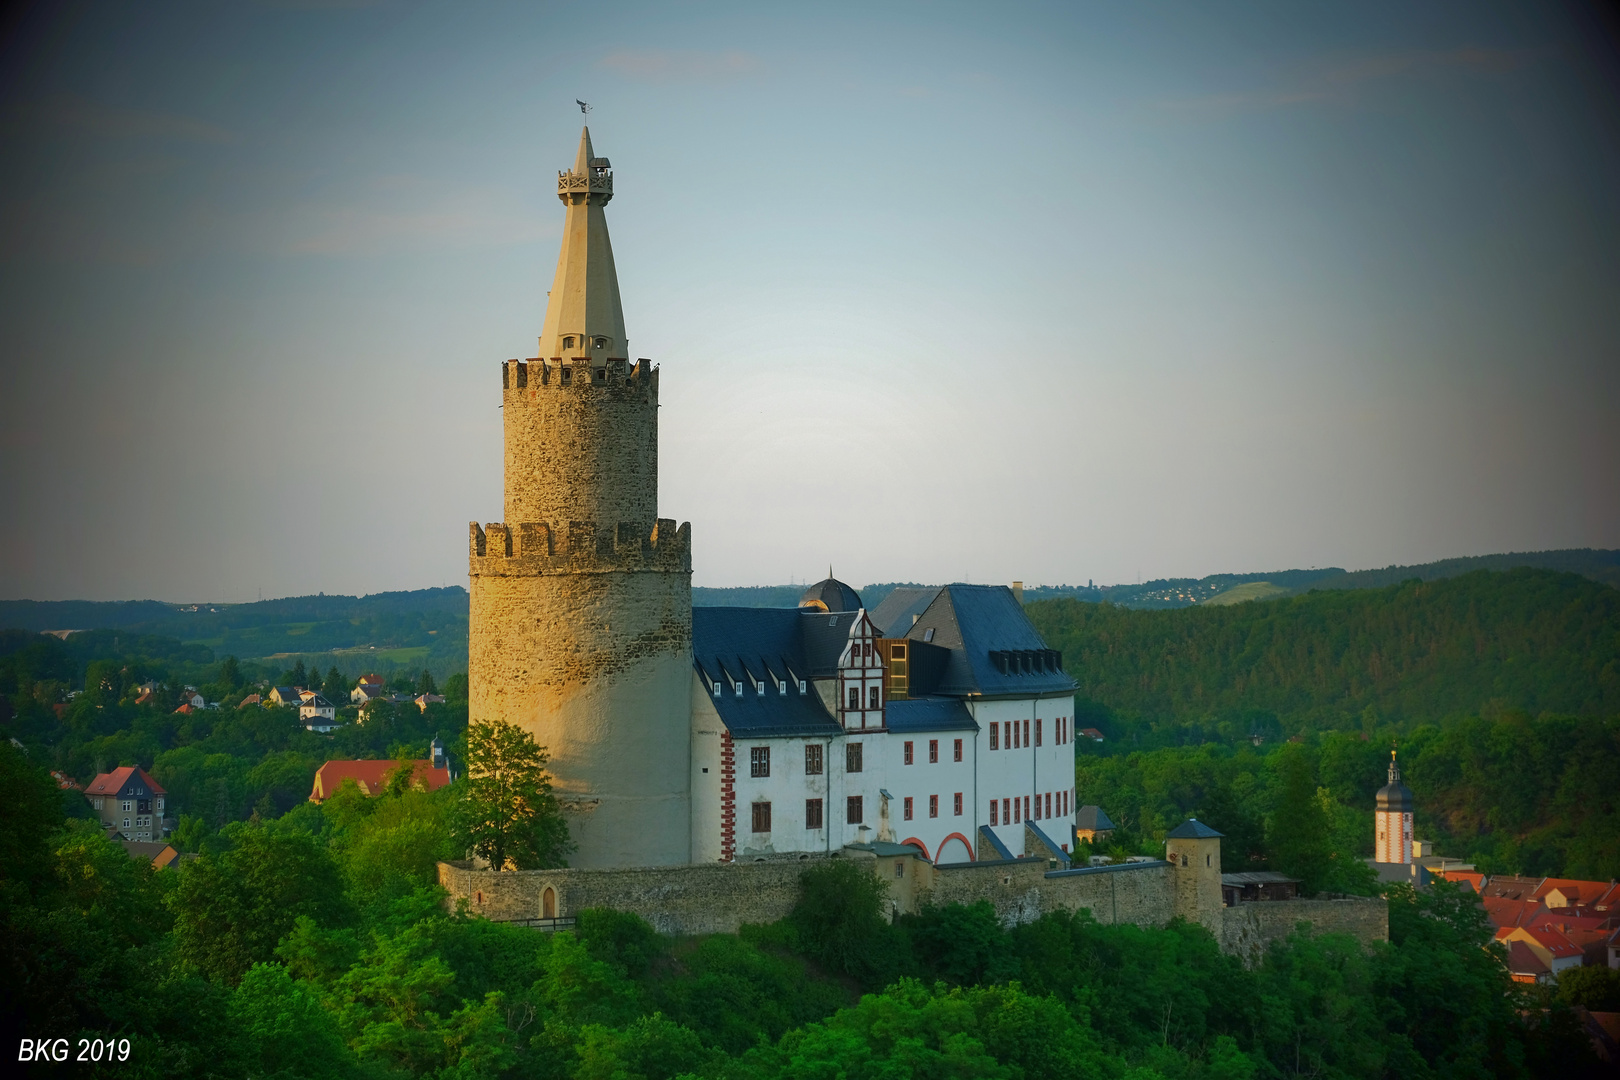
{"type": "Point", "coordinates": [506, 812]}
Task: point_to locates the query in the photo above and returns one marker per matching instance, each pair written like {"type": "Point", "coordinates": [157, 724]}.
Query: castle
{"type": "Point", "coordinates": [678, 736]}
{"type": "Point", "coordinates": [702, 756]}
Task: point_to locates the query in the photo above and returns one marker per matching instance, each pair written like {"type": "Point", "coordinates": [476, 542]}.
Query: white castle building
{"type": "Point", "coordinates": [940, 720]}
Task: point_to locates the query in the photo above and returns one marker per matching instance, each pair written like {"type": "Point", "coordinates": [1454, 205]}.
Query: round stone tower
{"type": "Point", "coordinates": [581, 601]}
{"type": "Point", "coordinates": [1193, 851]}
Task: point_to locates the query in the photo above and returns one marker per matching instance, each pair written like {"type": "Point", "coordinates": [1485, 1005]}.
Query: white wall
{"type": "Point", "coordinates": [1027, 770]}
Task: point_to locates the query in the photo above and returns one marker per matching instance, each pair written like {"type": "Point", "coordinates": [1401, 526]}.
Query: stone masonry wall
{"type": "Point", "coordinates": [1022, 890]}
{"type": "Point", "coordinates": [597, 668]}
{"type": "Point", "coordinates": [581, 441]}
{"type": "Point", "coordinates": [720, 897]}
{"type": "Point", "coordinates": [714, 898]}
{"type": "Point", "coordinates": [1247, 930]}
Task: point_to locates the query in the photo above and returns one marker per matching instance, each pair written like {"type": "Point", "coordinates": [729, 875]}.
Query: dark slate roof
{"type": "Point", "coordinates": [1395, 797]}
{"type": "Point", "coordinates": [884, 850]}
{"type": "Point", "coordinates": [751, 645]}
{"type": "Point", "coordinates": [995, 842]}
{"type": "Point", "coordinates": [974, 620]}
{"type": "Point", "coordinates": [1258, 877]}
{"type": "Point", "coordinates": [894, 616]}
{"type": "Point", "coordinates": [822, 638]}
{"type": "Point", "coordinates": [1093, 818]}
{"type": "Point", "coordinates": [928, 714]}
{"type": "Point", "coordinates": [1192, 829]}
{"type": "Point", "coordinates": [833, 594]}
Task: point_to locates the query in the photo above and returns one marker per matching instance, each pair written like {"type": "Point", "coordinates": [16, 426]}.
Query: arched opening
{"type": "Point", "coordinates": [953, 849]}
{"type": "Point", "coordinates": [548, 903]}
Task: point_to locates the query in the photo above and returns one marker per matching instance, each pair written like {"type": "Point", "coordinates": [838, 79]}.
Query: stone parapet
{"type": "Point", "coordinates": [534, 548]}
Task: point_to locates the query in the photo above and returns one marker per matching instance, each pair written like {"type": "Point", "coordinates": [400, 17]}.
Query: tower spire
{"type": "Point", "coordinates": [584, 317]}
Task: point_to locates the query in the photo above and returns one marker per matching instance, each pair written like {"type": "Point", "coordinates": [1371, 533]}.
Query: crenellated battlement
{"type": "Point", "coordinates": [529, 548]}
{"type": "Point", "coordinates": [577, 373]}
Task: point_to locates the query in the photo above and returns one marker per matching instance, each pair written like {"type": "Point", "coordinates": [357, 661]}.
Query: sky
{"type": "Point", "coordinates": [940, 292]}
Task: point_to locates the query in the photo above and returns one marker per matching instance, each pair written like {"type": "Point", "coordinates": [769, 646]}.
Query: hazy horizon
{"type": "Point", "coordinates": [939, 292]}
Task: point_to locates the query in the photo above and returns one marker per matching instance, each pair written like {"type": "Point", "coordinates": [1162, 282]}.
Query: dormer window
{"type": "Point", "coordinates": [601, 343]}
{"type": "Point", "coordinates": [801, 687]}
{"type": "Point", "coordinates": [739, 689]}
{"type": "Point", "coordinates": [568, 343]}
{"type": "Point", "coordinates": [761, 686]}
{"type": "Point", "coordinates": [717, 688]}
{"type": "Point", "coordinates": [781, 688]}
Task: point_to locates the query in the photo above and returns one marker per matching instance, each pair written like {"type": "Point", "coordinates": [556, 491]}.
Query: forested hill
{"type": "Point", "coordinates": [1525, 639]}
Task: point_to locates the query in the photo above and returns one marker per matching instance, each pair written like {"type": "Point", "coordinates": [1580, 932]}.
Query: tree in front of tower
{"type": "Point", "coordinates": [505, 812]}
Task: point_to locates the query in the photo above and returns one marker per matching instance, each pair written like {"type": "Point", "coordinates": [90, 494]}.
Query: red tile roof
{"type": "Point", "coordinates": [1470, 878]}
{"type": "Point", "coordinates": [1524, 963]}
{"type": "Point", "coordinates": [112, 783]}
{"type": "Point", "coordinates": [370, 776]}
{"type": "Point", "coordinates": [1512, 888]}
{"type": "Point", "coordinates": [1551, 940]}
{"type": "Point", "coordinates": [1508, 913]}
{"type": "Point", "coordinates": [1581, 892]}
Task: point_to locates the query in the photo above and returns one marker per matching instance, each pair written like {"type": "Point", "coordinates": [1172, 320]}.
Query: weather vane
{"type": "Point", "coordinates": [583, 107]}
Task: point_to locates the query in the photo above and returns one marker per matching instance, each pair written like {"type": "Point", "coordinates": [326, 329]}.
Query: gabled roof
{"type": "Point", "coordinates": [1522, 960]}
{"type": "Point", "coordinates": [157, 853]}
{"type": "Point", "coordinates": [112, 783]}
{"type": "Point", "coordinates": [1506, 912]}
{"type": "Point", "coordinates": [894, 615]}
{"type": "Point", "coordinates": [1555, 943]}
{"type": "Point", "coordinates": [1580, 892]}
{"type": "Point", "coordinates": [1511, 888]}
{"type": "Point", "coordinates": [1192, 829]}
{"type": "Point", "coordinates": [1093, 818]}
{"type": "Point", "coordinates": [928, 714]}
{"type": "Point", "coordinates": [370, 776]}
{"type": "Point", "coordinates": [1471, 878]}
{"type": "Point", "coordinates": [973, 621]}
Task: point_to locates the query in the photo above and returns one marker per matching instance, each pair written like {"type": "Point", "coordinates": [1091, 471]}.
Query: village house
{"type": "Point", "coordinates": [371, 777]}
{"type": "Point", "coordinates": [369, 687]}
{"type": "Point", "coordinates": [129, 803]}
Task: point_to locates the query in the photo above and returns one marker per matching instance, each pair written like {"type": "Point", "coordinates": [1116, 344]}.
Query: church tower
{"type": "Point", "coordinates": [581, 601]}
{"type": "Point", "coordinates": [1392, 820]}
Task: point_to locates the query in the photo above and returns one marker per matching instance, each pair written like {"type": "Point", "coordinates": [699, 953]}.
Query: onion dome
{"type": "Point", "coordinates": [1394, 797]}
{"type": "Point", "coordinates": [831, 595]}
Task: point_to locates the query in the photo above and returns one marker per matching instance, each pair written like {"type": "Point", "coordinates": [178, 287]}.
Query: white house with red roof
{"type": "Point", "coordinates": [129, 803]}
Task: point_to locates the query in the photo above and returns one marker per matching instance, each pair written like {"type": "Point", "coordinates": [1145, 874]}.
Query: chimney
{"type": "Point", "coordinates": [1018, 591]}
